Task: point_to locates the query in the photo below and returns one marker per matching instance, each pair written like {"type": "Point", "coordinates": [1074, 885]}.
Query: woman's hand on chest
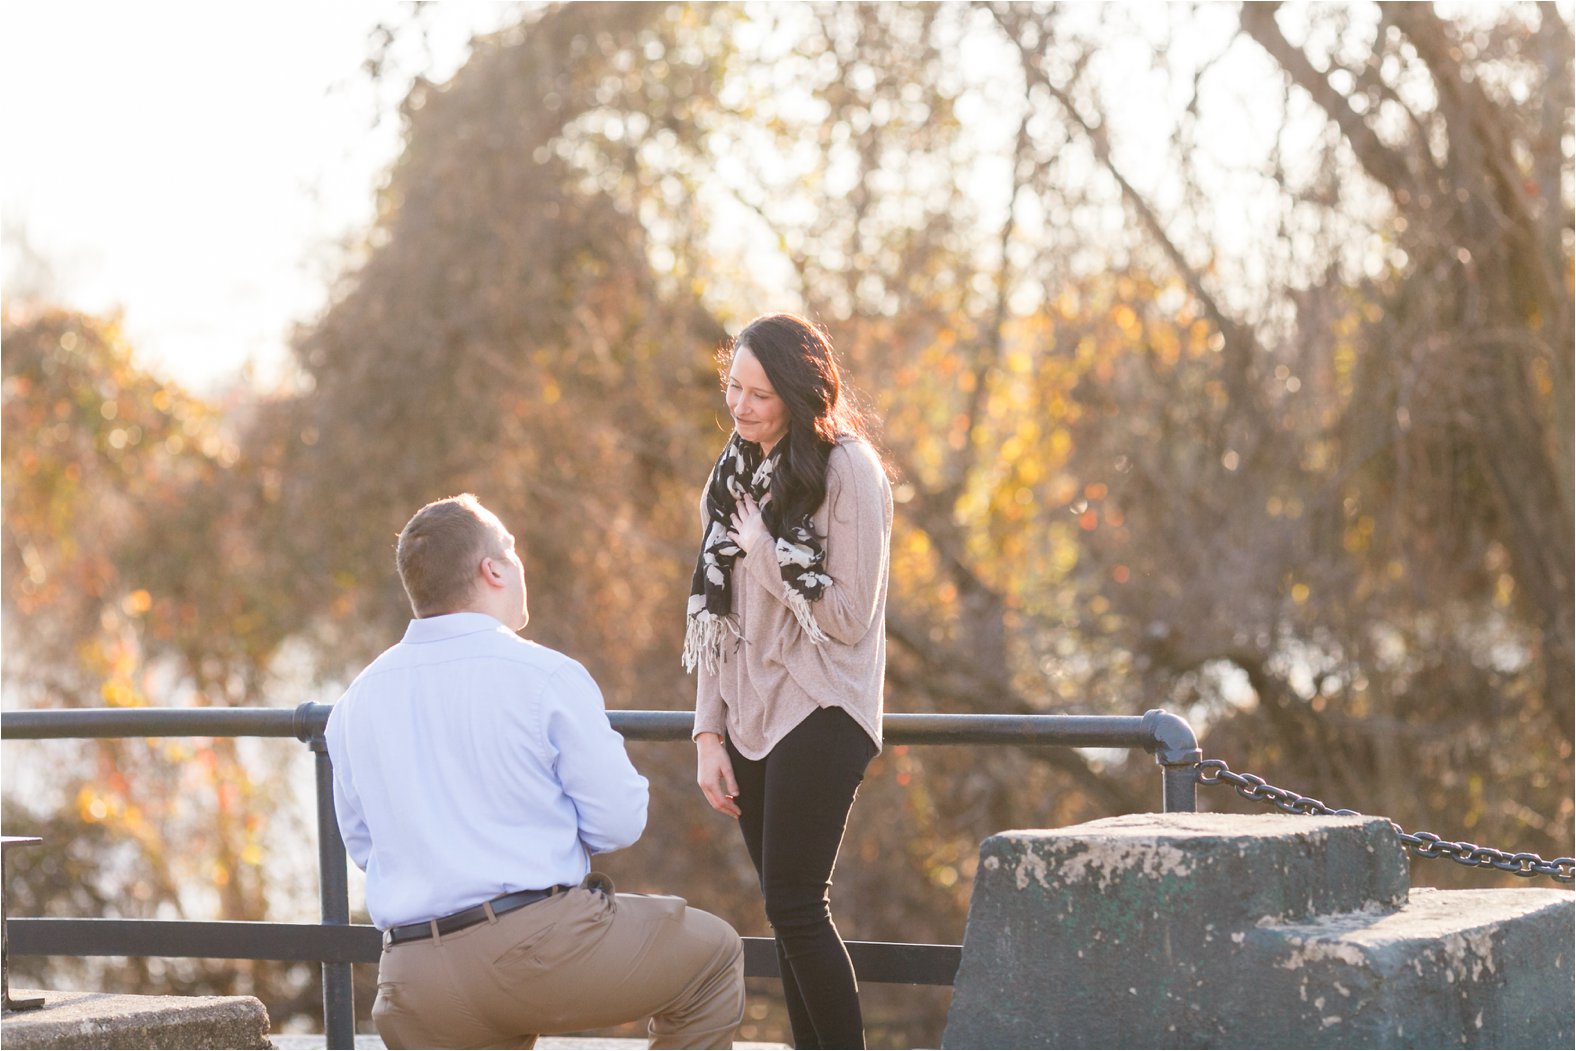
{"type": "Point", "coordinates": [749, 526]}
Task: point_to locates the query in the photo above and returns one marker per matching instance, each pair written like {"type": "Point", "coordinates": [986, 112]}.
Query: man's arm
{"type": "Point", "coordinates": [593, 768]}
{"type": "Point", "coordinates": [347, 805]}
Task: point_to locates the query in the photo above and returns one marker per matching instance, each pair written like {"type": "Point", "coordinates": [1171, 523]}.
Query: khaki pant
{"type": "Point", "coordinates": [578, 960]}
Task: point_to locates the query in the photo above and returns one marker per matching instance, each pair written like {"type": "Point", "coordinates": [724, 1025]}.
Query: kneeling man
{"type": "Point", "coordinates": [474, 775]}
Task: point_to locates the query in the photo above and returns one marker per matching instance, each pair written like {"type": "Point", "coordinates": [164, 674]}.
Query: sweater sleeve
{"type": "Point", "coordinates": [710, 716]}
{"type": "Point", "coordinates": [858, 541]}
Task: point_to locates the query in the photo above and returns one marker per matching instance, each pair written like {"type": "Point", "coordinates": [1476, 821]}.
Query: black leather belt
{"type": "Point", "coordinates": [470, 917]}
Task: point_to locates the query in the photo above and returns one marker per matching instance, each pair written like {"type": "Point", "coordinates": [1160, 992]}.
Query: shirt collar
{"type": "Point", "coordinates": [451, 626]}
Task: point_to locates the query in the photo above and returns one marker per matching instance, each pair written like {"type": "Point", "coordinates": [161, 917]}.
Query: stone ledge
{"type": "Point", "coordinates": [1467, 968]}
{"type": "Point", "coordinates": [1250, 931]}
{"type": "Point", "coordinates": [1275, 866]}
{"type": "Point", "coordinates": [113, 1020]}
{"type": "Point", "coordinates": [371, 1042]}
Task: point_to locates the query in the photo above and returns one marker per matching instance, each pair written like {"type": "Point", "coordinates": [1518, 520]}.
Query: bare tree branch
{"type": "Point", "coordinates": [1241, 347]}
{"type": "Point", "coordinates": [1382, 163]}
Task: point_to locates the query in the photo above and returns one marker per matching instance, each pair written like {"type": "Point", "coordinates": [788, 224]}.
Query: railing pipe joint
{"type": "Point", "coordinates": [1175, 747]}
{"type": "Point", "coordinates": [1171, 740]}
{"type": "Point", "coordinates": [308, 723]}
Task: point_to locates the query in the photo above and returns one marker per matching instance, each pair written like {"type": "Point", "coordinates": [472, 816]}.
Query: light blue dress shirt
{"type": "Point", "coordinates": [469, 763]}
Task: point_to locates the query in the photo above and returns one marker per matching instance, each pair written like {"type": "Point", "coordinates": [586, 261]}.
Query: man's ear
{"type": "Point", "coordinates": [491, 573]}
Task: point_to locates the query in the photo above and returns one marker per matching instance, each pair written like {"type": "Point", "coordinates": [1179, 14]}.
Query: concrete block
{"type": "Point", "coordinates": [1216, 930]}
{"type": "Point", "coordinates": [111, 1020]}
{"type": "Point", "coordinates": [1461, 968]}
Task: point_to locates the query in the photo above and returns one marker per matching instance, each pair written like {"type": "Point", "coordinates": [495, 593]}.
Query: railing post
{"type": "Point", "coordinates": [31, 1003]}
{"type": "Point", "coordinates": [1179, 789]}
{"type": "Point", "coordinates": [339, 1001]}
{"type": "Point", "coordinates": [1176, 749]}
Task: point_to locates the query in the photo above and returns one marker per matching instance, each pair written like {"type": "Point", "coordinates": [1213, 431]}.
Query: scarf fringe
{"type": "Point", "coordinates": [703, 640]}
{"type": "Point", "coordinates": [803, 613]}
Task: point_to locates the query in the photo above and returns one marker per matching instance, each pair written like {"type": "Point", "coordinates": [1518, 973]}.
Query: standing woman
{"type": "Point", "coordinates": [787, 629]}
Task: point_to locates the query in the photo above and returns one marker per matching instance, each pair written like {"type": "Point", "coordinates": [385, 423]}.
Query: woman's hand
{"type": "Point", "coordinates": [714, 772]}
{"type": "Point", "coordinates": [749, 526]}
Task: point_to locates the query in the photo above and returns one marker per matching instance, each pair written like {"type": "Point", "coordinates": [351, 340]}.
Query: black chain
{"type": "Point", "coordinates": [1424, 844]}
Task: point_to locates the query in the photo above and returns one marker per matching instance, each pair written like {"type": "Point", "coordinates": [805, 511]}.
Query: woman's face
{"type": "Point", "coordinates": [759, 415]}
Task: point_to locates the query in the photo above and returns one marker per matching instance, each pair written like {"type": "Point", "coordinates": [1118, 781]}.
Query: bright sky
{"type": "Point", "coordinates": [191, 163]}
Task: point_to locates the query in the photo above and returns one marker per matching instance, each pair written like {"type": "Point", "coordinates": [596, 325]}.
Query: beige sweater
{"type": "Point", "coordinates": [773, 675]}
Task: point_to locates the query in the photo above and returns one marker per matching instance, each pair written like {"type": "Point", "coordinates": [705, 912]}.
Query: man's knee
{"type": "Point", "coordinates": [728, 947]}
{"type": "Point", "coordinates": [722, 979]}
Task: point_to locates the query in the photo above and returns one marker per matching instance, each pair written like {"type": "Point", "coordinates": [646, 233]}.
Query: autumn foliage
{"type": "Point", "coordinates": [1276, 436]}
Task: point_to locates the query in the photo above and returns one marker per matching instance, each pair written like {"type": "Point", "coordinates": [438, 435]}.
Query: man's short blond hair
{"type": "Point", "coordinates": [439, 550]}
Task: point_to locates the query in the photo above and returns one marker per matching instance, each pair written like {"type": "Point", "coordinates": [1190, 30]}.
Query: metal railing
{"type": "Point", "coordinates": [336, 943]}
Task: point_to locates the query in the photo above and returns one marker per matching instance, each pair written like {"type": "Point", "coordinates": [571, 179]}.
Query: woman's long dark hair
{"type": "Point", "coordinates": [798, 359]}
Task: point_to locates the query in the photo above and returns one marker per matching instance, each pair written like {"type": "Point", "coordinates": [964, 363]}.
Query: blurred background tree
{"type": "Point", "coordinates": [1225, 363]}
{"type": "Point", "coordinates": [131, 579]}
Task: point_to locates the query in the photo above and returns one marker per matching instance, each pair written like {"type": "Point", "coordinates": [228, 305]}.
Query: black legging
{"type": "Point", "coordinates": [794, 807]}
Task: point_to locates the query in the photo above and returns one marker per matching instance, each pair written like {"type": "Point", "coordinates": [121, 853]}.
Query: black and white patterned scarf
{"type": "Point", "coordinates": [801, 558]}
